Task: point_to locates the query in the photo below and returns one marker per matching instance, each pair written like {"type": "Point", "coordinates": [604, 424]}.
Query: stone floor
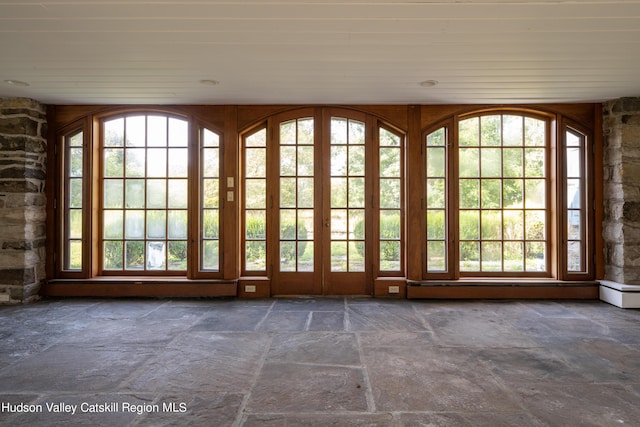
{"type": "Point", "coordinates": [319, 362]}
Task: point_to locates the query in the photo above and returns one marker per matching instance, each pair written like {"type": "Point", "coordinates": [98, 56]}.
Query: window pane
{"type": "Point", "coordinates": [256, 225]}
{"type": "Point", "coordinates": [469, 193]}
{"type": "Point", "coordinates": [112, 255]}
{"type": "Point", "coordinates": [211, 193]}
{"type": "Point", "coordinates": [178, 193]}
{"type": "Point", "coordinates": [338, 192]}
{"type": "Point", "coordinates": [437, 137]}
{"type": "Point", "coordinates": [135, 131]}
{"type": "Point", "coordinates": [156, 131]}
{"type": "Point", "coordinates": [211, 223]}
{"type": "Point", "coordinates": [288, 160]}
{"type": "Point", "coordinates": [288, 225]}
{"type": "Point", "coordinates": [389, 162]}
{"type": "Point", "coordinates": [75, 255]}
{"type": "Point", "coordinates": [75, 162]}
{"type": "Point", "coordinates": [491, 193]}
{"type": "Point", "coordinates": [534, 162]}
{"type": "Point", "coordinates": [134, 224]}
{"type": "Point", "coordinates": [305, 193]}
{"type": "Point", "coordinates": [305, 131]}
{"type": "Point", "coordinates": [491, 162]}
{"type": "Point", "coordinates": [135, 162]}
{"type": "Point", "coordinates": [114, 133]}
{"type": "Point", "coordinates": [156, 163]}
{"type": "Point", "coordinates": [390, 225]}
{"type": "Point", "coordinates": [535, 225]}
{"type": "Point", "coordinates": [75, 224]}
{"type": "Point", "coordinates": [338, 131]}
{"type": "Point", "coordinates": [255, 255]}
{"type": "Point", "coordinates": [113, 193]}
{"type": "Point", "coordinates": [435, 162]}
{"type": "Point", "coordinates": [356, 160]}
{"type": "Point", "coordinates": [491, 225]}
{"type": "Point", "coordinates": [156, 224]}
{"type": "Point", "coordinates": [436, 227]}
{"type": "Point", "coordinates": [135, 195]}
{"type": "Point", "coordinates": [468, 132]}
{"type": "Point", "coordinates": [156, 193]}
{"type": "Point", "coordinates": [177, 224]}
{"type": "Point", "coordinates": [305, 224]}
{"type": "Point", "coordinates": [436, 196]}
{"type": "Point", "coordinates": [134, 255]}
{"type": "Point", "coordinates": [469, 225]}
{"type": "Point", "coordinates": [469, 162]}
{"type": "Point", "coordinates": [178, 132]}
{"type": "Point", "coordinates": [255, 194]}
{"type": "Point", "coordinates": [469, 256]}
{"type": "Point", "coordinates": [305, 160]}
{"type": "Point", "coordinates": [513, 255]}
{"type": "Point", "coordinates": [491, 256]}
{"type": "Point", "coordinates": [356, 192]}
{"type": "Point", "coordinates": [436, 256]}
{"type": "Point", "coordinates": [305, 256]}
{"type": "Point", "coordinates": [535, 256]}
{"type": "Point", "coordinates": [512, 133]}
{"type": "Point", "coordinates": [513, 162]}
{"type": "Point", "coordinates": [113, 222]}
{"type": "Point", "coordinates": [513, 227]}
{"type": "Point", "coordinates": [177, 256]}
{"type": "Point", "coordinates": [256, 162]}
{"type": "Point", "coordinates": [75, 193]}
{"type": "Point", "coordinates": [210, 255]}
{"type": "Point", "coordinates": [513, 193]}
{"type": "Point", "coordinates": [338, 256]}
{"type": "Point", "coordinates": [288, 256]}
{"type": "Point", "coordinates": [390, 193]}
{"type": "Point", "coordinates": [338, 161]}
{"type": "Point", "coordinates": [288, 189]}
{"type": "Point", "coordinates": [490, 130]}
{"type": "Point", "coordinates": [113, 162]}
{"type": "Point", "coordinates": [356, 256]}
{"type": "Point", "coordinates": [178, 161]}
{"type": "Point", "coordinates": [390, 255]}
{"type": "Point", "coordinates": [156, 255]}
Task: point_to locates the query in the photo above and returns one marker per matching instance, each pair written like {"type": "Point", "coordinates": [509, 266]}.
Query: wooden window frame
{"type": "Point", "coordinates": [92, 127]}
{"type": "Point", "coordinates": [556, 216]}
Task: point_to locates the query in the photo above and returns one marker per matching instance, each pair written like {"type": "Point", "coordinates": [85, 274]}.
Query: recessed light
{"type": "Point", "coordinates": [16, 83]}
{"type": "Point", "coordinates": [429, 83]}
{"type": "Point", "coordinates": [208, 82]}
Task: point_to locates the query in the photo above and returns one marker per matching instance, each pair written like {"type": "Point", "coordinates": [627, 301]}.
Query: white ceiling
{"type": "Point", "coordinates": [320, 51]}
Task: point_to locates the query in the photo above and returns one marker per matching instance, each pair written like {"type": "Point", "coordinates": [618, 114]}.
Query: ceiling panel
{"type": "Point", "coordinates": [324, 51]}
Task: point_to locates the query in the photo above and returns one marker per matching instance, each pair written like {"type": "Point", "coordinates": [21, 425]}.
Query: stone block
{"type": "Point", "coordinates": [631, 210]}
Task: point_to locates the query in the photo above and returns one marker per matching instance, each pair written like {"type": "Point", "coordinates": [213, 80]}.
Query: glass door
{"type": "Point", "coordinates": [347, 213]}
{"type": "Point", "coordinates": [297, 267]}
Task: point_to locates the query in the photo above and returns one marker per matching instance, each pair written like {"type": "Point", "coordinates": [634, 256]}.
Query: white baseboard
{"type": "Point", "coordinates": [619, 294]}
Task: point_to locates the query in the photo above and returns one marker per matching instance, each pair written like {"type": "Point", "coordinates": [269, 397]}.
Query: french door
{"type": "Point", "coordinates": [315, 199]}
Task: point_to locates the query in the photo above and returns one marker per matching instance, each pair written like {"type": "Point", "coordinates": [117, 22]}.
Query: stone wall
{"type": "Point", "coordinates": [23, 146]}
{"type": "Point", "coordinates": [621, 228]}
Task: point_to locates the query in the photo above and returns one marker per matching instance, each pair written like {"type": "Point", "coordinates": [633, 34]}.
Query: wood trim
{"type": "Point", "coordinates": [507, 291]}
{"type": "Point", "coordinates": [141, 287]}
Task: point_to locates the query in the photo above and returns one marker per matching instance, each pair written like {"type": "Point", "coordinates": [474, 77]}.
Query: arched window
{"type": "Point", "coordinates": [131, 204]}
{"type": "Point", "coordinates": [498, 191]}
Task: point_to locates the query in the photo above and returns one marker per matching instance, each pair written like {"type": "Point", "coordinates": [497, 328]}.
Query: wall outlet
{"type": "Point", "coordinates": [250, 288]}
{"type": "Point", "coordinates": [5, 297]}
{"type": "Point", "coordinates": [394, 289]}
